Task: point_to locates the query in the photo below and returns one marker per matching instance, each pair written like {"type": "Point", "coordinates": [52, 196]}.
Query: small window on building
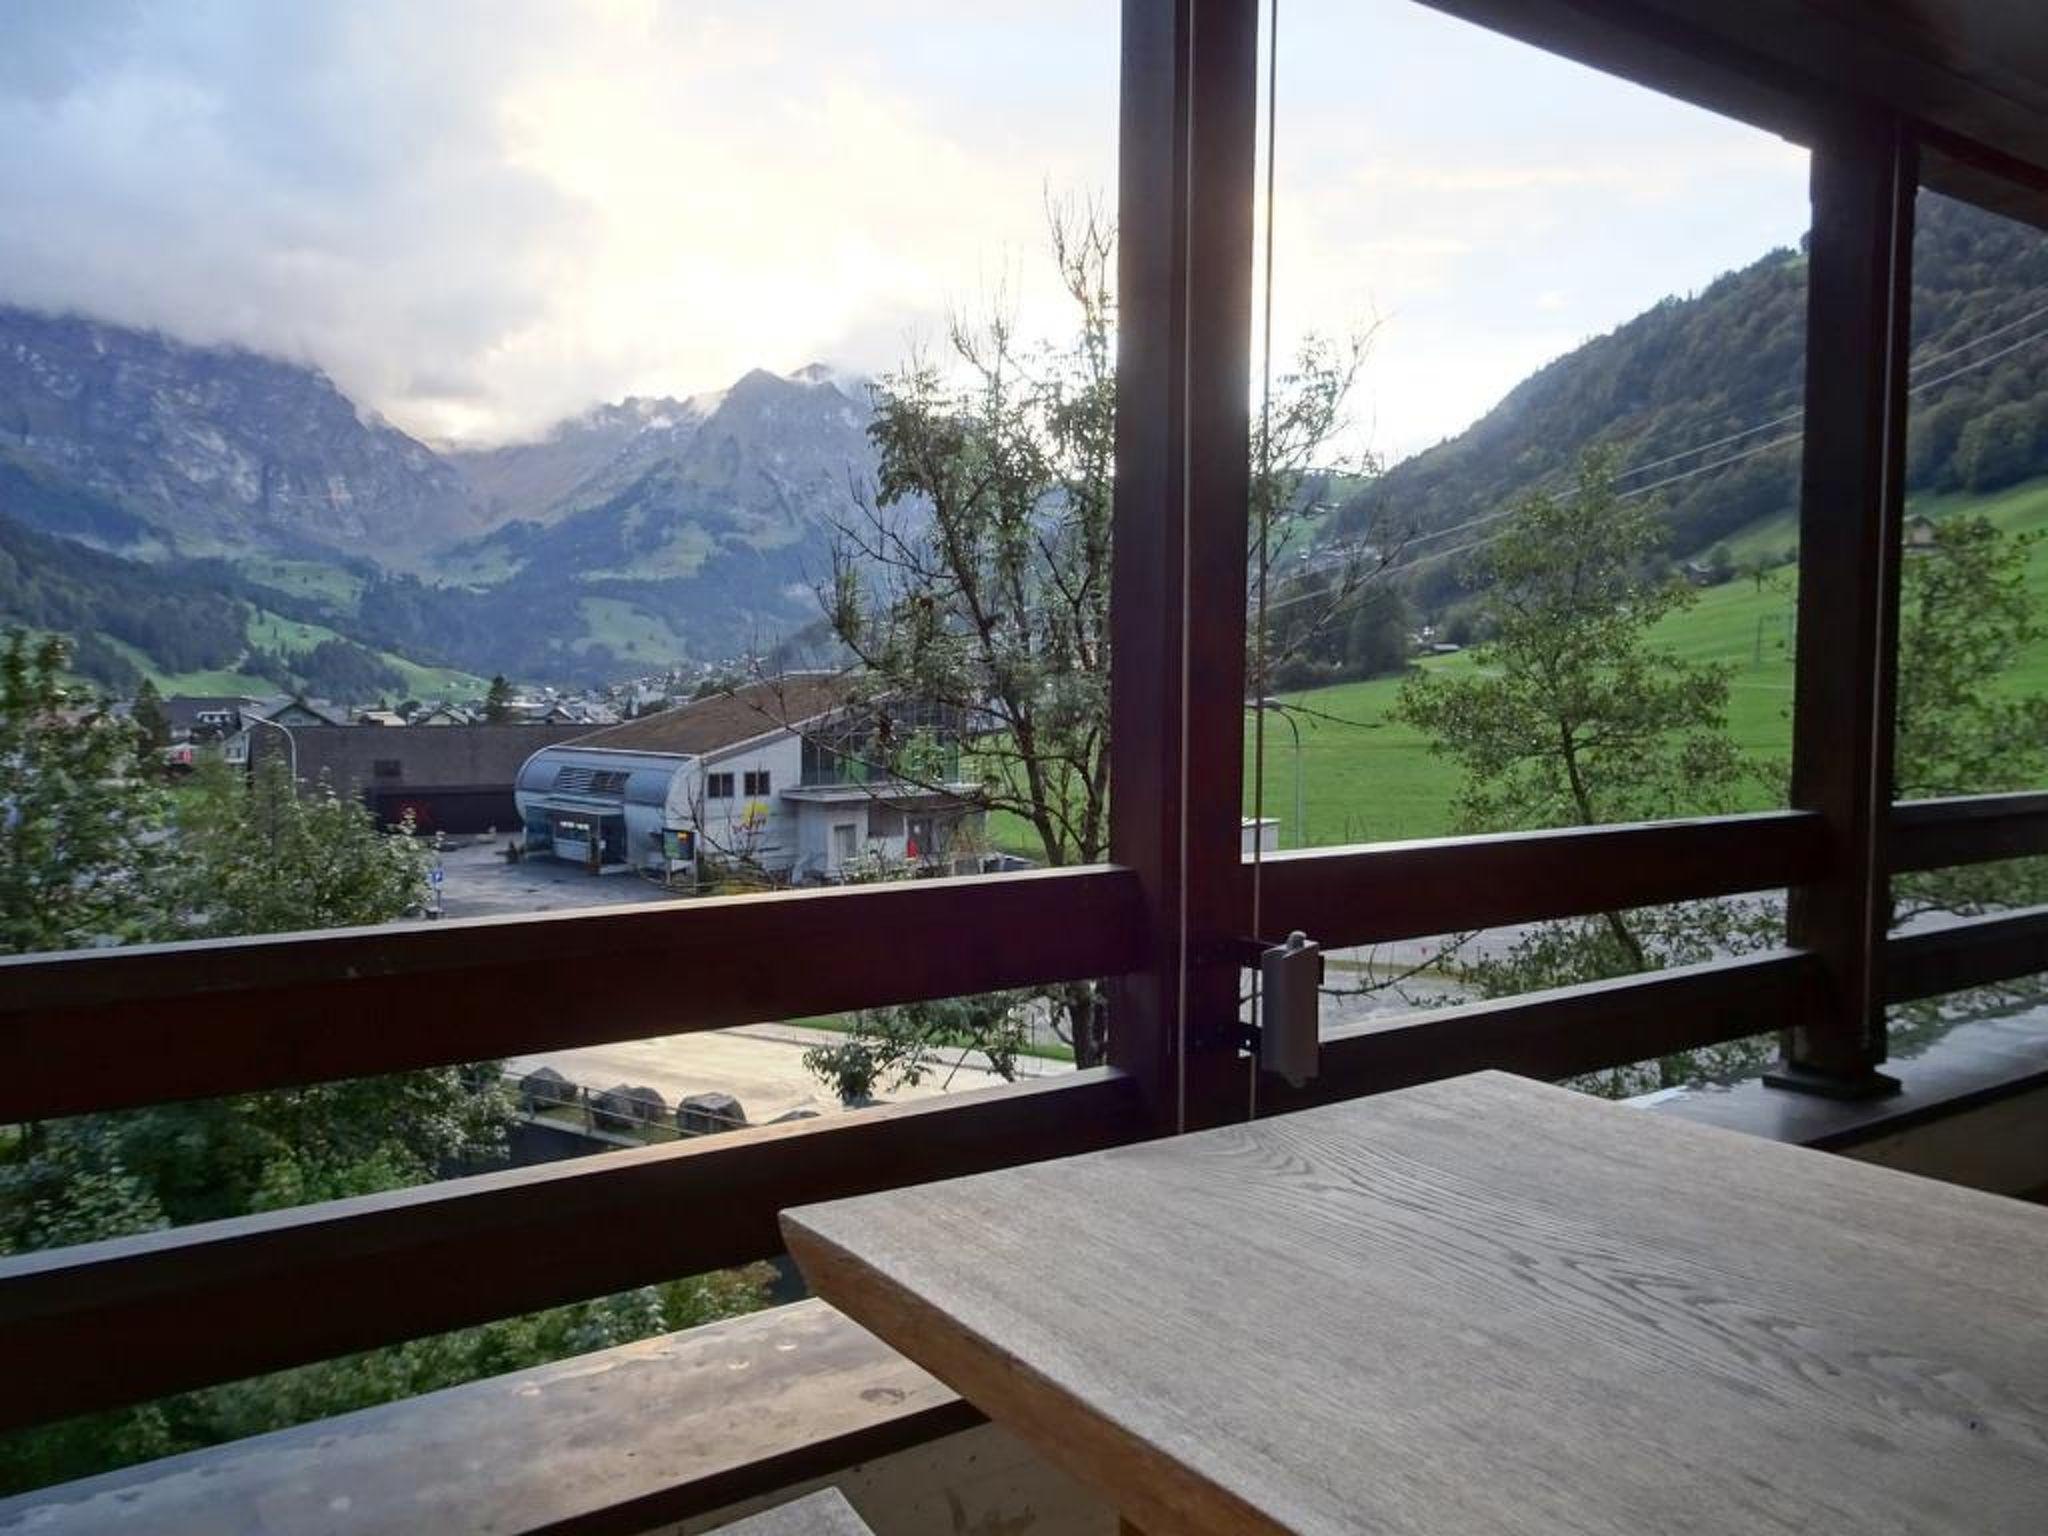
{"type": "Point", "coordinates": [717, 786]}
{"type": "Point", "coordinates": [757, 784]}
{"type": "Point", "coordinates": [386, 768]}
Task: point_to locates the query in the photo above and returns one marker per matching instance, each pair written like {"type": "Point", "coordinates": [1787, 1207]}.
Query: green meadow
{"type": "Point", "coordinates": [1365, 777]}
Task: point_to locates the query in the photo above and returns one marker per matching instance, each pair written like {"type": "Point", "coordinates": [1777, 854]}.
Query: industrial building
{"type": "Point", "coordinates": [787, 776]}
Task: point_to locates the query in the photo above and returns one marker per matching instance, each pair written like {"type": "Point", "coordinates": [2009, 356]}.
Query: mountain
{"type": "Point", "coordinates": [1697, 401]}
{"type": "Point", "coordinates": [658, 489]}
{"type": "Point", "coordinates": [653, 530]}
{"type": "Point", "coordinates": [632, 536]}
{"type": "Point", "coordinates": [201, 450]}
{"type": "Point", "coordinates": [607, 446]}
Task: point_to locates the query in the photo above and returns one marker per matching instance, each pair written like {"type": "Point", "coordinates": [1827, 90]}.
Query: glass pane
{"type": "Point", "coordinates": [1973, 605]}
{"type": "Point", "coordinates": [1375, 986]}
{"type": "Point", "coordinates": [454, 472]}
{"type": "Point", "coordinates": [1531, 452]}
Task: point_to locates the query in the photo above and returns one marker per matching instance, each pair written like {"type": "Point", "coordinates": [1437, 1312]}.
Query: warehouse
{"type": "Point", "coordinates": [785, 776]}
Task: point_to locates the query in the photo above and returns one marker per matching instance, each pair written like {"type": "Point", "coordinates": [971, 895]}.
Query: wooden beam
{"type": "Point", "coordinates": [1182, 504]}
{"type": "Point", "coordinates": [1971, 952]}
{"type": "Point", "coordinates": [106, 1029]}
{"type": "Point", "coordinates": [1968, 829]}
{"type": "Point", "coordinates": [1851, 498]}
{"type": "Point", "coordinates": [106, 1323]}
{"type": "Point", "coordinates": [1385, 891]}
{"type": "Point", "coordinates": [1562, 1032]}
{"type": "Point", "coordinates": [614, 1443]}
{"type": "Point", "coordinates": [1970, 76]}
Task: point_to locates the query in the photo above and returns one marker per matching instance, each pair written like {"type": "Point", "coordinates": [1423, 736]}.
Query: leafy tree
{"type": "Point", "coordinates": [1999, 447]}
{"type": "Point", "coordinates": [89, 854]}
{"type": "Point", "coordinates": [79, 819]}
{"type": "Point", "coordinates": [149, 717]}
{"type": "Point", "coordinates": [498, 701]}
{"type": "Point", "coordinates": [912, 1041]}
{"type": "Point", "coordinates": [976, 577]}
{"type": "Point", "coordinates": [1572, 601]}
{"type": "Point", "coordinates": [257, 856]}
{"type": "Point", "coordinates": [1573, 716]}
{"type": "Point", "coordinates": [1965, 618]}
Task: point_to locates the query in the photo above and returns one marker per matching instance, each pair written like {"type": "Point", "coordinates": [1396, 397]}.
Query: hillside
{"type": "Point", "coordinates": [1697, 400]}
{"type": "Point", "coordinates": [632, 536]}
{"type": "Point", "coordinates": [194, 626]}
{"type": "Point", "coordinates": [209, 450]}
{"type": "Point", "coordinates": [1367, 777]}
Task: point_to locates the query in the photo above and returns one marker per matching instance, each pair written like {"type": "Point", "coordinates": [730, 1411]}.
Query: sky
{"type": "Point", "coordinates": [480, 218]}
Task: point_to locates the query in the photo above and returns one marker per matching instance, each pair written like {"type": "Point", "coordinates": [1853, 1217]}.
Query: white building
{"type": "Point", "coordinates": [782, 775]}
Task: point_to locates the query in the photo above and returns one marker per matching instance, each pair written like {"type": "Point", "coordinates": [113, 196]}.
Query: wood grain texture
{"type": "Point", "coordinates": [129, 1318]}
{"type": "Point", "coordinates": [150, 1023]}
{"type": "Point", "coordinates": [1378, 892]}
{"type": "Point", "coordinates": [825, 1513]}
{"type": "Point", "coordinates": [615, 1443]}
{"type": "Point", "coordinates": [1481, 1305]}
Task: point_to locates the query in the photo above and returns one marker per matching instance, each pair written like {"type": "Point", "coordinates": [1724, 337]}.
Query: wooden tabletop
{"type": "Point", "coordinates": [1479, 1306]}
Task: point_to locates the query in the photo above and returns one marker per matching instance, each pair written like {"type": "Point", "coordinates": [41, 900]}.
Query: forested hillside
{"type": "Point", "coordinates": [1698, 401]}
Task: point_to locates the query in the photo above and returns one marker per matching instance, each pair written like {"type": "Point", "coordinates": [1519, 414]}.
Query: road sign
{"type": "Point", "coordinates": [436, 874]}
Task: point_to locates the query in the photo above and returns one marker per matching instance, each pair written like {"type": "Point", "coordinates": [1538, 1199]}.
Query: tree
{"type": "Point", "coordinates": [79, 817]}
{"type": "Point", "coordinates": [2000, 446]}
{"type": "Point", "coordinates": [1966, 617]}
{"type": "Point", "coordinates": [975, 577]}
{"type": "Point", "coordinates": [498, 701]}
{"type": "Point", "coordinates": [89, 854]}
{"type": "Point", "coordinates": [1573, 716]}
{"type": "Point", "coordinates": [257, 856]}
{"type": "Point", "coordinates": [149, 717]}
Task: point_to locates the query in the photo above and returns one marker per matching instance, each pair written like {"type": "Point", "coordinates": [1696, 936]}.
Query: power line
{"type": "Point", "coordinates": [1699, 469]}
{"type": "Point", "coordinates": [1794, 415]}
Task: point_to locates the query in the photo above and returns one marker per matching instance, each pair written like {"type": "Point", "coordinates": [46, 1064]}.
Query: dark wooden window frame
{"type": "Point", "coordinates": [105, 1323]}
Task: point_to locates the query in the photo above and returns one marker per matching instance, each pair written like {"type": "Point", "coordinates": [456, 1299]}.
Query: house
{"type": "Point", "coordinates": [785, 775]}
{"type": "Point", "coordinates": [442, 714]}
{"type": "Point", "coordinates": [296, 709]}
{"type": "Point", "coordinates": [1919, 535]}
{"type": "Point", "coordinates": [379, 717]}
{"type": "Point", "coordinates": [203, 717]}
{"type": "Point", "coordinates": [280, 714]}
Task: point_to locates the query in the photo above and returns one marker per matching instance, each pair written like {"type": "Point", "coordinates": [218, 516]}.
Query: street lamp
{"type": "Point", "coordinates": [1287, 714]}
{"type": "Point", "coordinates": [290, 741]}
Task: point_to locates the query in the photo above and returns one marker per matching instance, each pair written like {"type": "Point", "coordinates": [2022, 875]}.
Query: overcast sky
{"type": "Point", "coordinates": [481, 217]}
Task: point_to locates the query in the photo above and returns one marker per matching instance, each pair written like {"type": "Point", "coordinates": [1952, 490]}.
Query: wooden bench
{"type": "Point", "coordinates": [825, 1513]}
{"type": "Point", "coordinates": [628, 1439]}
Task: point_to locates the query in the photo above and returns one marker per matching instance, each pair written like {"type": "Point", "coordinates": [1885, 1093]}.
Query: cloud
{"type": "Point", "coordinates": [482, 215]}
{"type": "Point", "coordinates": [479, 218]}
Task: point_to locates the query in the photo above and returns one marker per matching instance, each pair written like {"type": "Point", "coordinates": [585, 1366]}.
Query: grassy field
{"type": "Point", "coordinates": [1374, 779]}
{"type": "Point", "coordinates": [1365, 777]}
{"type": "Point", "coordinates": [628, 629]}
{"type": "Point", "coordinates": [273, 632]}
{"type": "Point", "coordinates": [305, 578]}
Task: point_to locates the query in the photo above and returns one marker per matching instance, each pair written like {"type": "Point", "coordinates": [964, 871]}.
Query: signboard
{"type": "Point", "coordinates": [679, 846]}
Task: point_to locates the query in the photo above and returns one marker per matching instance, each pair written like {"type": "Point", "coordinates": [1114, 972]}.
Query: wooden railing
{"type": "Point", "coordinates": [109, 1322]}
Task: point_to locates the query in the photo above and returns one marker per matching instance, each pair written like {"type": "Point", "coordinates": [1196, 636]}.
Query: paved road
{"type": "Point", "coordinates": [760, 1065]}
{"type": "Point", "coordinates": [477, 882]}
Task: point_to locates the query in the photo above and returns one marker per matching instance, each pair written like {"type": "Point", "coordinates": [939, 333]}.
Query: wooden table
{"type": "Point", "coordinates": [1479, 1306]}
